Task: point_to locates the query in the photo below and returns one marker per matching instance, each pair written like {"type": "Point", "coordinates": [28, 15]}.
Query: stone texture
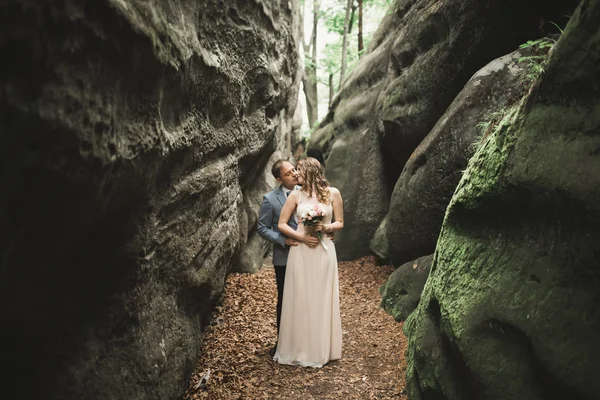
{"type": "Point", "coordinates": [510, 309]}
{"type": "Point", "coordinates": [401, 293]}
{"type": "Point", "coordinates": [422, 55]}
{"type": "Point", "coordinates": [134, 136]}
{"type": "Point", "coordinates": [250, 258]}
{"type": "Point", "coordinates": [412, 225]}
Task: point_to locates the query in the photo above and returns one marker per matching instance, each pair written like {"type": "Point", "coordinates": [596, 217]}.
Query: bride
{"type": "Point", "coordinates": [310, 332]}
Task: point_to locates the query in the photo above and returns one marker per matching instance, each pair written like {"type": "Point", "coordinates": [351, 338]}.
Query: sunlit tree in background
{"type": "Point", "coordinates": [334, 37]}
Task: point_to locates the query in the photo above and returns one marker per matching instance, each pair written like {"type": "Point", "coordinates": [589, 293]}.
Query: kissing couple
{"type": "Point", "coordinates": [309, 327]}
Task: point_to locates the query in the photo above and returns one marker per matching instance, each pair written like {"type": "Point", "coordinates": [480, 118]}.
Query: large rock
{"type": "Point", "coordinates": [422, 55]}
{"type": "Point", "coordinates": [133, 137]}
{"type": "Point", "coordinates": [401, 293]}
{"type": "Point", "coordinates": [412, 225]}
{"type": "Point", "coordinates": [354, 157]}
{"type": "Point", "coordinates": [510, 309]}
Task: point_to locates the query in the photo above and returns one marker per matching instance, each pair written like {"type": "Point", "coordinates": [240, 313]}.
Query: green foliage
{"type": "Point", "coordinates": [309, 63]}
{"type": "Point", "coordinates": [557, 27]}
{"type": "Point", "coordinates": [536, 66]}
{"type": "Point", "coordinates": [331, 16]}
{"type": "Point", "coordinates": [385, 4]}
{"type": "Point", "coordinates": [537, 61]}
{"type": "Point", "coordinates": [538, 44]}
{"type": "Point", "coordinates": [331, 57]}
{"type": "Point", "coordinates": [540, 48]}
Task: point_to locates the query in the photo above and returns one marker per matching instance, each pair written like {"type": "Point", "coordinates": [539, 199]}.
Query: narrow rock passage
{"type": "Point", "coordinates": [235, 346]}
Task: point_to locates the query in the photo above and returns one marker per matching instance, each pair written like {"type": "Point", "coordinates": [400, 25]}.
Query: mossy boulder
{"type": "Point", "coordinates": [401, 293]}
{"type": "Point", "coordinates": [510, 308]}
{"type": "Point", "coordinates": [419, 200]}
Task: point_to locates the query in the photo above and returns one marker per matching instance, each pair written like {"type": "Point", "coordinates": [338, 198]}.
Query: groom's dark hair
{"type": "Point", "coordinates": [276, 168]}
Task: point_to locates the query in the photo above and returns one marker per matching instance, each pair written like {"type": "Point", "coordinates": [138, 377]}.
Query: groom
{"type": "Point", "coordinates": [268, 218]}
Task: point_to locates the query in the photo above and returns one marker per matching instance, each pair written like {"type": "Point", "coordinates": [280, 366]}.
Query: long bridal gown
{"type": "Point", "coordinates": [310, 332]}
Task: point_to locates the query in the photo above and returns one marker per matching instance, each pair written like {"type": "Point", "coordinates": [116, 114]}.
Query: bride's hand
{"type": "Point", "coordinates": [310, 229]}
{"type": "Point", "coordinates": [310, 240]}
{"type": "Point", "coordinates": [318, 227]}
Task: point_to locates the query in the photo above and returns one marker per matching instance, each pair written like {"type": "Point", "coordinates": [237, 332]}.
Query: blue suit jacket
{"type": "Point", "coordinates": [268, 218]}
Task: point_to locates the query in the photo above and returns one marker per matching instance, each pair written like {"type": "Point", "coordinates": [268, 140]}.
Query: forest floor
{"type": "Point", "coordinates": [236, 345]}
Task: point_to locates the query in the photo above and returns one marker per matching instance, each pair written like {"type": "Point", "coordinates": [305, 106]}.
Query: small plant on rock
{"type": "Point", "coordinates": [487, 127]}
{"type": "Point", "coordinates": [539, 49]}
{"type": "Point", "coordinates": [537, 61]}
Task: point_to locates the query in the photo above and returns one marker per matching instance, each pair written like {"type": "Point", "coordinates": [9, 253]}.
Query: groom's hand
{"type": "Point", "coordinates": [310, 240]}
{"type": "Point", "coordinates": [291, 242]}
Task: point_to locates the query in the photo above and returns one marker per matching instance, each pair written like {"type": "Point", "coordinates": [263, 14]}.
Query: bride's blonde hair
{"type": "Point", "coordinates": [312, 173]}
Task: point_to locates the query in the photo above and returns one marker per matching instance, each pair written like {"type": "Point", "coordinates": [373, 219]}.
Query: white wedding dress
{"type": "Point", "coordinates": [310, 332]}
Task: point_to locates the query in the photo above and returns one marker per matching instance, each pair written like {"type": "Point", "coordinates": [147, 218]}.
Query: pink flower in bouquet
{"type": "Point", "coordinates": [313, 215]}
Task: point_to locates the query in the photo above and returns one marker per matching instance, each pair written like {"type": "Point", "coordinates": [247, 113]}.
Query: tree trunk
{"type": "Point", "coordinates": [345, 43]}
{"type": "Point", "coordinates": [309, 80]}
{"type": "Point", "coordinates": [316, 4]}
{"type": "Point", "coordinates": [330, 90]}
{"type": "Point", "coordinates": [360, 27]}
{"type": "Point", "coordinates": [352, 17]}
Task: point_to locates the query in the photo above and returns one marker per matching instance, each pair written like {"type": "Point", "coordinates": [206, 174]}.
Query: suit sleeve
{"type": "Point", "coordinates": [265, 224]}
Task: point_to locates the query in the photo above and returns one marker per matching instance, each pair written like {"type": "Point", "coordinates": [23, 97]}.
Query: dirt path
{"type": "Point", "coordinates": [243, 330]}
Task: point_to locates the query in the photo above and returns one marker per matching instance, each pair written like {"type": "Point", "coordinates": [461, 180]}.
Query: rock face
{"type": "Point", "coordinates": [133, 139]}
{"type": "Point", "coordinates": [355, 163]}
{"type": "Point", "coordinates": [423, 191]}
{"type": "Point", "coordinates": [510, 309]}
{"type": "Point", "coordinates": [250, 258]}
{"type": "Point", "coordinates": [401, 293]}
{"type": "Point", "coordinates": [423, 54]}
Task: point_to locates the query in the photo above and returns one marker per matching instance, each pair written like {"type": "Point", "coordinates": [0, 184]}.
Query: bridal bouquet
{"type": "Point", "coordinates": [311, 216]}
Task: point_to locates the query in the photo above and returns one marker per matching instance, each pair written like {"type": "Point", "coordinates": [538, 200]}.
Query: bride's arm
{"type": "Point", "coordinates": [284, 217]}
{"type": "Point", "coordinates": [338, 212]}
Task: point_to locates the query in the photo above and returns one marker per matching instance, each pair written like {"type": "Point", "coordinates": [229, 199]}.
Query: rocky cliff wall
{"type": "Point", "coordinates": [134, 137]}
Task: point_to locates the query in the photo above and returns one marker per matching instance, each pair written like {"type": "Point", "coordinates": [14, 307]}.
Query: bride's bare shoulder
{"type": "Point", "coordinates": [334, 191]}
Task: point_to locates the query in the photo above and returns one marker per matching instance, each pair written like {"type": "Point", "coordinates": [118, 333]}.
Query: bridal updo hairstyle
{"type": "Point", "coordinates": [311, 171]}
